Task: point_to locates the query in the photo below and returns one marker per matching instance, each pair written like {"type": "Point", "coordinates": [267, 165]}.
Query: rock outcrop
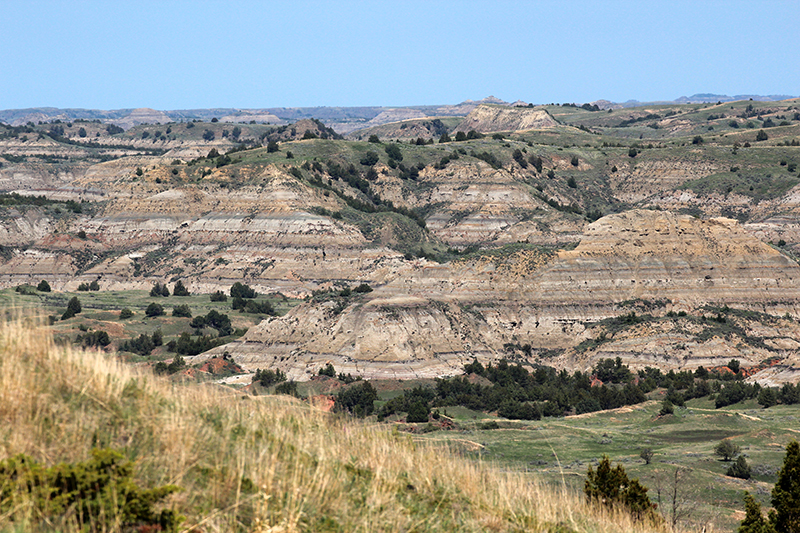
{"type": "Point", "coordinates": [493, 118]}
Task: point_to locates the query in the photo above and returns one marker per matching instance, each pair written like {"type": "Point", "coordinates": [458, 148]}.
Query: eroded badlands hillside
{"type": "Point", "coordinates": [534, 305]}
{"type": "Point", "coordinates": [662, 235]}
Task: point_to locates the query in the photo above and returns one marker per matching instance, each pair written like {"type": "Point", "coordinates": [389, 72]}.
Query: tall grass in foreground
{"type": "Point", "coordinates": [264, 464]}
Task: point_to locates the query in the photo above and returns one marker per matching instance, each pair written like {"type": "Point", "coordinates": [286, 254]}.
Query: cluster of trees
{"type": "Point", "coordinates": [214, 319]}
{"type": "Point", "coordinates": [98, 338]}
{"type": "Point", "coordinates": [358, 400]}
{"type": "Point", "coordinates": [330, 371]}
{"type": "Point", "coordinates": [187, 344]}
{"type": "Point", "coordinates": [93, 286]}
{"type": "Point", "coordinates": [175, 366]}
{"type": "Point", "coordinates": [517, 393]}
{"type": "Point", "coordinates": [268, 377]}
{"type": "Point", "coordinates": [144, 344]}
{"type": "Point", "coordinates": [161, 289]}
{"type": "Point", "coordinates": [244, 300]}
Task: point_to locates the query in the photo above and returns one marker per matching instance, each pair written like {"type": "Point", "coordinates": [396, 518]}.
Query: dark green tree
{"type": "Point", "coordinates": [154, 310]}
{"type": "Point", "coordinates": [418, 411]}
{"type": "Point", "coordinates": [43, 286]}
{"type": "Point", "coordinates": [219, 296]}
{"type": "Point", "coordinates": [374, 139]}
{"type": "Point", "coordinates": [727, 449]}
{"type": "Point", "coordinates": [73, 308]}
{"type": "Point", "coordinates": [182, 310]}
{"type": "Point", "coordinates": [369, 159]}
{"type": "Point", "coordinates": [754, 521]}
{"type": "Point", "coordinates": [739, 468]}
{"type": "Point", "coordinates": [358, 400]}
{"type": "Point", "coordinates": [611, 487]}
{"type": "Point", "coordinates": [328, 371]}
{"type": "Point", "coordinates": [767, 397]}
{"type": "Point", "coordinates": [647, 454]}
{"type": "Point", "coordinates": [287, 387]}
{"type": "Point", "coordinates": [445, 138]}
{"type": "Point", "coordinates": [240, 290]}
{"type": "Point", "coordinates": [393, 151]}
{"type": "Point", "coordinates": [762, 136]}
{"type": "Point", "coordinates": [272, 146]}
{"type": "Point", "coordinates": [786, 493]}
{"type": "Point", "coordinates": [179, 289]}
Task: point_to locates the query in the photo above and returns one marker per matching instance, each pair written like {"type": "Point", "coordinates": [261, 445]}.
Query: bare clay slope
{"type": "Point", "coordinates": [492, 118]}
{"type": "Point", "coordinates": [436, 317]}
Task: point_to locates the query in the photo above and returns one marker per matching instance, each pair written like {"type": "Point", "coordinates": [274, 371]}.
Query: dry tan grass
{"type": "Point", "coordinates": [263, 464]}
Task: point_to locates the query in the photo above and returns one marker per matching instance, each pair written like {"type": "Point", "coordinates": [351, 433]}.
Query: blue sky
{"type": "Point", "coordinates": [181, 55]}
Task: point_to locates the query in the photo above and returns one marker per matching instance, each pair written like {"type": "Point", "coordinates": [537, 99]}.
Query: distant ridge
{"type": "Point", "coordinates": [342, 119]}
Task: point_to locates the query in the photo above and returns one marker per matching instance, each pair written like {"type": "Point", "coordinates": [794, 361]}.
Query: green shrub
{"type": "Point", "coordinates": [267, 377]}
{"type": "Point", "coordinates": [369, 159]}
{"type": "Point", "coordinates": [100, 492]}
{"type": "Point", "coordinates": [611, 487]}
{"type": "Point", "coordinates": [94, 338]}
{"type": "Point", "coordinates": [125, 313]}
{"type": "Point", "coordinates": [727, 449]}
{"type": "Point", "coordinates": [287, 387]}
{"type": "Point", "coordinates": [739, 468]}
{"type": "Point", "coordinates": [754, 520]}
{"type": "Point", "coordinates": [73, 308]}
{"type": "Point", "coordinates": [154, 310]}
{"type": "Point", "coordinates": [182, 311]}
{"type": "Point", "coordinates": [358, 400]}
{"type": "Point", "coordinates": [240, 290]}
{"type": "Point", "coordinates": [25, 289]}
{"type": "Point", "coordinates": [393, 151]}
{"type": "Point", "coordinates": [327, 371]}
{"type": "Point", "coordinates": [159, 290]}
{"type": "Point", "coordinates": [179, 289]}
{"type": "Point", "coordinates": [218, 296]}
{"type": "Point", "coordinates": [43, 286]}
